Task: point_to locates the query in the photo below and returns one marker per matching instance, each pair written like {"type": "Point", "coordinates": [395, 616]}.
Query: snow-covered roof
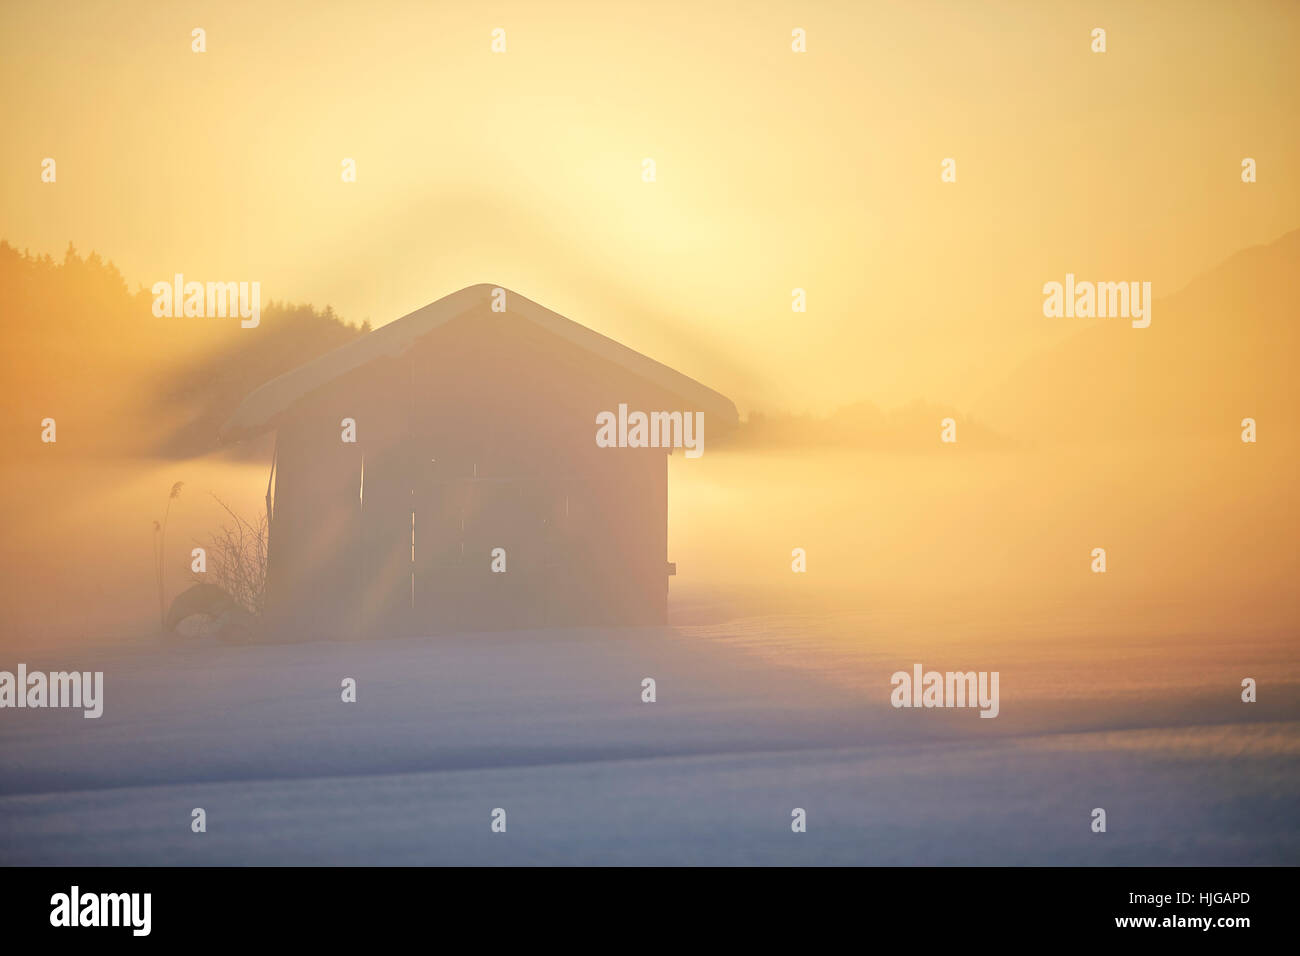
{"type": "Point", "coordinates": [259, 409]}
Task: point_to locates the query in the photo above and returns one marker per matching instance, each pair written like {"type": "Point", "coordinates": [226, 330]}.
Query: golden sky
{"type": "Point", "coordinates": [775, 170]}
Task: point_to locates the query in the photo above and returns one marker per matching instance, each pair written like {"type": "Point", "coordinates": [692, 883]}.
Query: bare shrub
{"type": "Point", "coordinates": [237, 560]}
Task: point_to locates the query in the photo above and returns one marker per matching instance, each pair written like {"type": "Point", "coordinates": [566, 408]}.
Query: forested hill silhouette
{"type": "Point", "coordinates": [83, 349]}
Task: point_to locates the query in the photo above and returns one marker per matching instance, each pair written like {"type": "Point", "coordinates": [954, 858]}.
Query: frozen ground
{"type": "Point", "coordinates": [754, 717]}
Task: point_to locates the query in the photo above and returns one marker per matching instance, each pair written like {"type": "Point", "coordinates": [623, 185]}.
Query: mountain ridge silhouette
{"type": "Point", "coordinates": [1220, 349]}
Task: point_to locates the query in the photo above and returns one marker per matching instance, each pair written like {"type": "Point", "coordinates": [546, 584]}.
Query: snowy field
{"type": "Point", "coordinates": [754, 717]}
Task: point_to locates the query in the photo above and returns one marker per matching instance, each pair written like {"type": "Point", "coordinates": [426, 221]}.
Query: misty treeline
{"type": "Point", "coordinates": [915, 427]}
{"type": "Point", "coordinates": [83, 348]}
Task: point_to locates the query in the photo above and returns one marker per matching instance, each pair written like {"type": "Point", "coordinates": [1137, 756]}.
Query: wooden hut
{"type": "Point", "coordinates": [474, 422]}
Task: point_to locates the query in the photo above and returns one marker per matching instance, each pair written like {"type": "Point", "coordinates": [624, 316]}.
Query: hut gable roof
{"type": "Point", "coordinates": [260, 409]}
